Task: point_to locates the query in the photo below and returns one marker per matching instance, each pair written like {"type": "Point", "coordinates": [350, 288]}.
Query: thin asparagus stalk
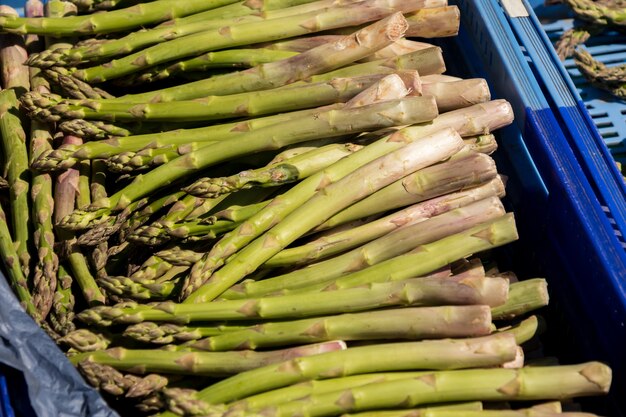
{"type": "Point", "coordinates": [429, 257]}
{"type": "Point", "coordinates": [430, 354]}
{"type": "Point", "coordinates": [335, 243]}
{"type": "Point", "coordinates": [533, 383]}
{"type": "Point", "coordinates": [15, 80]}
{"type": "Point", "coordinates": [481, 118]}
{"type": "Point", "coordinates": [112, 21]}
{"type": "Point", "coordinates": [454, 175]}
{"type": "Point", "coordinates": [524, 330]}
{"type": "Point", "coordinates": [324, 124]}
{"type": "Point", "coordinates": [434, 22]}
{"type": "Point", "coordinates": [406, 323]}
{"type": "Point", "coordinates": [246, 33]}
{"type": "Point", "coordinates": [45, 273]}
{"type": "Point", "coordinates": [62, 312]}
{"type": "Point", "coordinates": [570, 40]}
{"type": "Point", "coordinates": [53, 108]}
{"type": "Point", "coordinates": [93, 5]}
{"type": "Point", "coordinates": [528, 412]}
{"type": "Point", "coordinates": [113, 382]}
{"type": "Point", "coordinates": [199, 363]}
{"type": "Point", "coordinates": [16, 276]}
{"type": "Point", "coordinates": [165, 334]}
{"type": "Point", "coordinates": [414, 292]}
{"type": "Point", "coordinates": [393, 244]}
{"type": "Point", "coordinates": [67, 156]}
{"type": "Point", "coordinates": [355, 186]}
{"type": "Point", "coordinates": [525, 296]}
{"type": "Point", "coordinates": [293, 169]}
{"type": "Point", "coordinates": [235, 58]}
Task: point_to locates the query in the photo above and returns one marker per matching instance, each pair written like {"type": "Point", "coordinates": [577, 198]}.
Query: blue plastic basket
{"type": "Point", "coordinates": [567, 217]}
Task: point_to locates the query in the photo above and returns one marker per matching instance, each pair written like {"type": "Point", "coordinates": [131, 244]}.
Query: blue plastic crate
{"type": "Point", "coordinates": [567, 227]}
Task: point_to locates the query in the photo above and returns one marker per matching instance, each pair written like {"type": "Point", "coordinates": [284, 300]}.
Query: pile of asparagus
{"type": "Point", "coordinates": [595, 18]}
{"type": "Point", "coordinates": [245, 208]}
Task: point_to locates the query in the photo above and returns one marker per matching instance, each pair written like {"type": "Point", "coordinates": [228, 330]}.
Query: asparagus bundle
{"type": "Point", "coordinates": [329, 188]}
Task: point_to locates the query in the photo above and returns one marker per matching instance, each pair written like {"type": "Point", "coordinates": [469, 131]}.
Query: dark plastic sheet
{"type": "Point", "coordinates": [55, 388]}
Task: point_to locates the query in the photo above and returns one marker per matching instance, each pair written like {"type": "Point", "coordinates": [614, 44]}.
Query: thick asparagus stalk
{"type": "Point", "coordinates": [335, 243]}
{"type": "Point", "coordinates": [531, 383]}
{"type": "Point", "coordinates": [434, 22]}
{"type": "Point", "coordinates": [406, 323]}
{"type": "Point", "coordinates": [525, 296]}
{"type": "Point", "coordinates": [113, 21]}
{"type": "Point", "coordinates": [595, 12]}
{"type": "Point", "coordinates": [51, 107]}
{"type": "Point", "coordinates": [426, 258]}
{"type": "Point", "coordinates": [478, 118]}
{"type": "Point", "coordinates": [199, 363]}
{"type": "Point", "coordinates": [67, 156]}
{"type": "Point", "coordinates": [321, 386]}
{"type": "Point", "coordinates": [15, 80]}
{"type": "Point", "coordinates": [324, 124]}
{"type": "Point", "coordinates": [437, 180]}
{"type": "Point", "coordinates": [528, 412]}
{"type": "Point", "coordinates": [422, 411]}
{"type": "Point", "coordinates": [415, 292]}
{"type": "Point", "coordinates": [165, 334]}
{"type": "Point", "coordinates": [353, 187]}
{"type": "Point", "coordinates": [458, 94]}
{"type": "Point", "coordinates": [237, 35]}
{"type": "Point", "coordinates": [290, 170]}
{"type": "Point", "coordinates": [393, 244]}
{"type": "Point", "coordinates": [431, 354]}
{"type": "Point", "coordinates": [233, 58]}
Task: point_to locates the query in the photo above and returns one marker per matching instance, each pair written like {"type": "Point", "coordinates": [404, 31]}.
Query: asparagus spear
{"type": "Point", "coordinates": [353, 187]}
{"type": "Point", "coordinates": [84, 340]}
{"type": "Point", "coordinates": [51, 107]}
{"type": "Point", "coordinates": [570, 40]}
{"type": "Point", "coordinates": [98, 50]}
{"type": "Point", "coordinates": [15, 80]}
{"type": "Point", "coordinates": [454, 175]}
{"type": "Point", "coordinates": [165, 334]}
{"type": "Point", "coordinates": [15, 274]}
{"type": "Point", "coordinates": [113, 382]}
{"type": "Point", "coordinates": [324, 124]}
{"type": "Point", "coordinates": [524, 330]}
{"type": "Point", "coordinates": [113, 21]}
{"type": "Point", "coordinates": [291, 170]}
{"type": "Point", "coordinates": [199, 363]}
{"type": "Point", "coordinates": [431, 354]}
{"type": "Point", "coordinates": [93, 5]}
{"type": "Point", "coordinates": [504, 413]}
{"type": "Point", "coordinates": [415, 292]}
{"type": "Point", "coordinates": [233, 58]}
{"type": "Point", "coordinates": [533, 383]}
{"type": "Point", "coordinates": [237, 35]}
{"type": "Point", "coordinates": [611, 79]}
{"type": "Point", "coordinates": [406, 323]}
{"type": "Point", "coordinates": [393, 244]}
{"type": "Point", "coordinates": [135, 288]}
{"type": "Point", "coordinates": [321, 386]}
{"type": "Point", "coordinates": [598, 13]}
{"type": "Point", "coordinates": [422, 411]}
{"type": "Point", "coordinates": [426, 258]}
{"type": "Point", "coordinates": [66, 157]}
{"type": "Point", "coordinates": [434, 22]}
{"type": "Point", "coordinates": [483, 117]}
{"type": "Point", "coordinates": [335, 243]}
{"type": "Point", "coordinates": [525, 296]}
